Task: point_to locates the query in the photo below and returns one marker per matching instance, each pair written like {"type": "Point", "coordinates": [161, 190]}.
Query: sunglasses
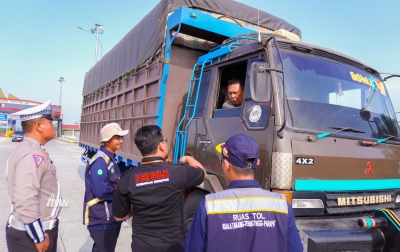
{"type": "Point", "coordinates": [164, 140]}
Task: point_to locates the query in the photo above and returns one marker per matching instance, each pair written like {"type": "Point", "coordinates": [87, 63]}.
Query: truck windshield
{"type": "Point", "coordinates": [323, 95]}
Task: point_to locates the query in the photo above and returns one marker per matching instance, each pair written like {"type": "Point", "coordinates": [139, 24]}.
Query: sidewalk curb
{"type": "Point", "coordinates": [67, 140]}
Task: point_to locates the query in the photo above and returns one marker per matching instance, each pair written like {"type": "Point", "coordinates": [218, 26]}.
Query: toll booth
{"type": "Point", "coordinates": [9, 106]}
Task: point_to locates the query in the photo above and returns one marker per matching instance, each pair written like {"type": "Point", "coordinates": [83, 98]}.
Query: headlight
{"type": "Point", "coordinates": [397, 199]}
{"type": "Point", "coordinates": [307, 203]}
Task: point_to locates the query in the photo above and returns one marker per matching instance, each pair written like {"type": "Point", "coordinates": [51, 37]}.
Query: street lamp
{"type": "Point", "coordinates": [98, 29]}
{"type": "Point", "coordinates": [60, 120]}
{"type": "Point", "coordinates": [61, 81]}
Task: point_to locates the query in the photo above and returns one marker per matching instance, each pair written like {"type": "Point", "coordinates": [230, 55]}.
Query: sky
{"type": "Point", "coordinates": [40, 41]}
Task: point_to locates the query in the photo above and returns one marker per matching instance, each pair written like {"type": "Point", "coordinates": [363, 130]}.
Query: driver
{"type": "Point", "coordinates": [235, 93]}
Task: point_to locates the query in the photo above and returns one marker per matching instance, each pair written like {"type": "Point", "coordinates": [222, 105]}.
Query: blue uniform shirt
{"type": "Point", "coordinates": [101, 178]}
{"type": "Point", "coordinates": [196, 238]}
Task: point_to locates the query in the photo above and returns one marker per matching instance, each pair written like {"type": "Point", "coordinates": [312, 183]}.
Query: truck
{"type": "Point", "coordinates": [325, 123]}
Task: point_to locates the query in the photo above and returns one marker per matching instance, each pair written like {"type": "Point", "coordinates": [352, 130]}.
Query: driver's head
{"type": "Point", "coordinates": [235, 91]}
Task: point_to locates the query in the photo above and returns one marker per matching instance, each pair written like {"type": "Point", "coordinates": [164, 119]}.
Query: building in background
{"type": "Point", "coordinates": [10, 104]}
{"type": "Point", "coordinates": [71, 131]}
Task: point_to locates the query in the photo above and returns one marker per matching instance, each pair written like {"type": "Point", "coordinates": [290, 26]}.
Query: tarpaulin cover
{"type": "Point", "coordinates": [148, 35]}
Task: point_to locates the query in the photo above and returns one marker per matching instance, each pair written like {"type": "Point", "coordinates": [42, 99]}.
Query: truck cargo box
{"type": "Point", "coordinates": [143, 80]}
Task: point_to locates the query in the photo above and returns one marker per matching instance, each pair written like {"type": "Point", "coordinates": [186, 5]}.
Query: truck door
{"type": "Point", "coordinates": [251, 118]}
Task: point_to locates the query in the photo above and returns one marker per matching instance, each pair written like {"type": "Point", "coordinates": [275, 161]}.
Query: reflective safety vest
{"type": "Point", "coordinates": [94, 201]}
{"type": "Point", "coordinates": [246, 219]}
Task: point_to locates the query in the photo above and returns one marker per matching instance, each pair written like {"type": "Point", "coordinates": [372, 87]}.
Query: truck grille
{"type": "Point", "coordinates": [339, 203]}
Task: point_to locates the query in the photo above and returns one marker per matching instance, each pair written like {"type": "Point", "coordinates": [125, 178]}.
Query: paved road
{"type": "Point", "coordinates": [73, 235]}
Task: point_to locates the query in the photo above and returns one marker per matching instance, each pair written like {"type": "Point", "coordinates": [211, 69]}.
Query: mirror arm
{"type": "Point", "coordinates": [280, 133]}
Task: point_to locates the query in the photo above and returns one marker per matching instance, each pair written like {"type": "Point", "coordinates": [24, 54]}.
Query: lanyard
{"type": "Point", "coordinates": [150, 160]}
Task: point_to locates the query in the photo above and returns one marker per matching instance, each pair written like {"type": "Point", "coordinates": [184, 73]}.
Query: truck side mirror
{"type": "Point", "coordinates": [260, 82]}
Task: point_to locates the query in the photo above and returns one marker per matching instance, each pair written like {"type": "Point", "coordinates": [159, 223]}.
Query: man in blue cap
{"type": "Point", "coordinates": [244, 217]}
{"type": "Point", "coordinates": [33, 186]}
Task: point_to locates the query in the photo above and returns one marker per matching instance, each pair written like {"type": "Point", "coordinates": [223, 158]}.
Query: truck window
{"type": "Point", "coordinates": [227, 73]}
{"type": "Point", "coordinates": [321, 94]}
{"type": "Point", "coordinates": [254, 114]}
{"type": "Point", "coordinates": [349, 98]}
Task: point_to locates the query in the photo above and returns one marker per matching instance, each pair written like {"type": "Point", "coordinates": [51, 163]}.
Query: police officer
{"type": "Point", "coordinates": [155, 190]}
{"type": "Point", "coordinates": [101, 177]}
{"type": "Point", "coordinates": [244, 217]}
{"type": "Point", "coordinates": [33, 185]}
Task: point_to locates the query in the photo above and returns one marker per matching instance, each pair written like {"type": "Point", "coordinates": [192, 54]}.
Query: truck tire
{"type": "Point", "coordinates": [190, 206]}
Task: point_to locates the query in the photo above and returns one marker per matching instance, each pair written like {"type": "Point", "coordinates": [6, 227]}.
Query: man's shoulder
{"type": "Point", "coordinates": [100, 158]}
{"type": "Point", "coordinates": [97, 161]}
{"type": "Point", "coordinates": [254, 192]}
{"type": "Point", "coordinates": [125, 178]}
{"type": "Point", "coordinates": [29, 146]}
{"type": "Point", "coordinates": [228, 104]}
{"type": "Point", "coordinates": [127, 172]}
{"type": "Point", "coordinates": [179, 165]}
{"type": "Point", "coordinates": [26, 148]}
{"type": "Point", "coordinates": [182, 168]}
{"type": "Point", "coordinates": [160, 166]}
{"type": "Point", "coordinates": [150, 168]}
{"type": "Point", "coordinates": [274, 194]}
{"type": "Point", "coordinates": [154, 167]}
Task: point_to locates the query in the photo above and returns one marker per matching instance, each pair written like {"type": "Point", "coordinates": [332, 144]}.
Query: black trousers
{"type": "Point", "coordinates": [20, 241]}
{"type": "Point", "coordinates": [105, 240]}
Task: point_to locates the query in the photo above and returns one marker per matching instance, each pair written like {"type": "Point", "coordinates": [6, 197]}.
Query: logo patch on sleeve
{"type": "Point", "coordinates": [152, 178]}
{"type": "Point", "coordinates": [38, 160]}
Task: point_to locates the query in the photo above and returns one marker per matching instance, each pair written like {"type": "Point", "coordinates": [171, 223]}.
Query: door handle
{"type": "Point", "coordinates": [205, 142]}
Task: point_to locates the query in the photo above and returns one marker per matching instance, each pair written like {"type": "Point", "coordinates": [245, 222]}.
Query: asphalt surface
{"type": "Point", "coordinates": [73, 235]}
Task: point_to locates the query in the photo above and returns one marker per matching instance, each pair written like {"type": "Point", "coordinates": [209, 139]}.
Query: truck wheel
{"type": "Point", "coordinates": [190, 206]}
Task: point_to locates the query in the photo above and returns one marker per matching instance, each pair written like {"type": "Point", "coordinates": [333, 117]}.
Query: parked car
{"type": "Point", "coordinates": [18, 136]}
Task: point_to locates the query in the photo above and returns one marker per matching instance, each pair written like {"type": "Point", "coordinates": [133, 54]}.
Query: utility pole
{"type": "Point", "coordinates": [61, 81]}
{"type": "Point", "coordinates": [98, 29]}
{"type": "Point", "coordinates": [59, 128]}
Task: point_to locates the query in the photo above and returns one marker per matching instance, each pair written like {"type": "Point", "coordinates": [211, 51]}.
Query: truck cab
{"type": "Point", "coordinates": [327, 130]}
{"type": "Point", "coordinates": [328, 133]}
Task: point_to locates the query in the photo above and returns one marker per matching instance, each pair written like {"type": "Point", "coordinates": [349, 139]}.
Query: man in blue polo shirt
{"type": "Point", "coordinates": [244, 217]}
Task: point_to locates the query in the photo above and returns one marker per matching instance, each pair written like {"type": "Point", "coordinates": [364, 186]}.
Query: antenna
{"type": "Point", "coordinates": [258, 20]}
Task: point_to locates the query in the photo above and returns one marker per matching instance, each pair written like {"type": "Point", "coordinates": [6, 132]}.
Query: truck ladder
{"type": "Point", "coordinates": [191, 103]}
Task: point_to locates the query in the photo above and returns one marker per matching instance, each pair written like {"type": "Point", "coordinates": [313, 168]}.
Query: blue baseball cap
{"type": "Point", "coordinates": [241, 151]}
